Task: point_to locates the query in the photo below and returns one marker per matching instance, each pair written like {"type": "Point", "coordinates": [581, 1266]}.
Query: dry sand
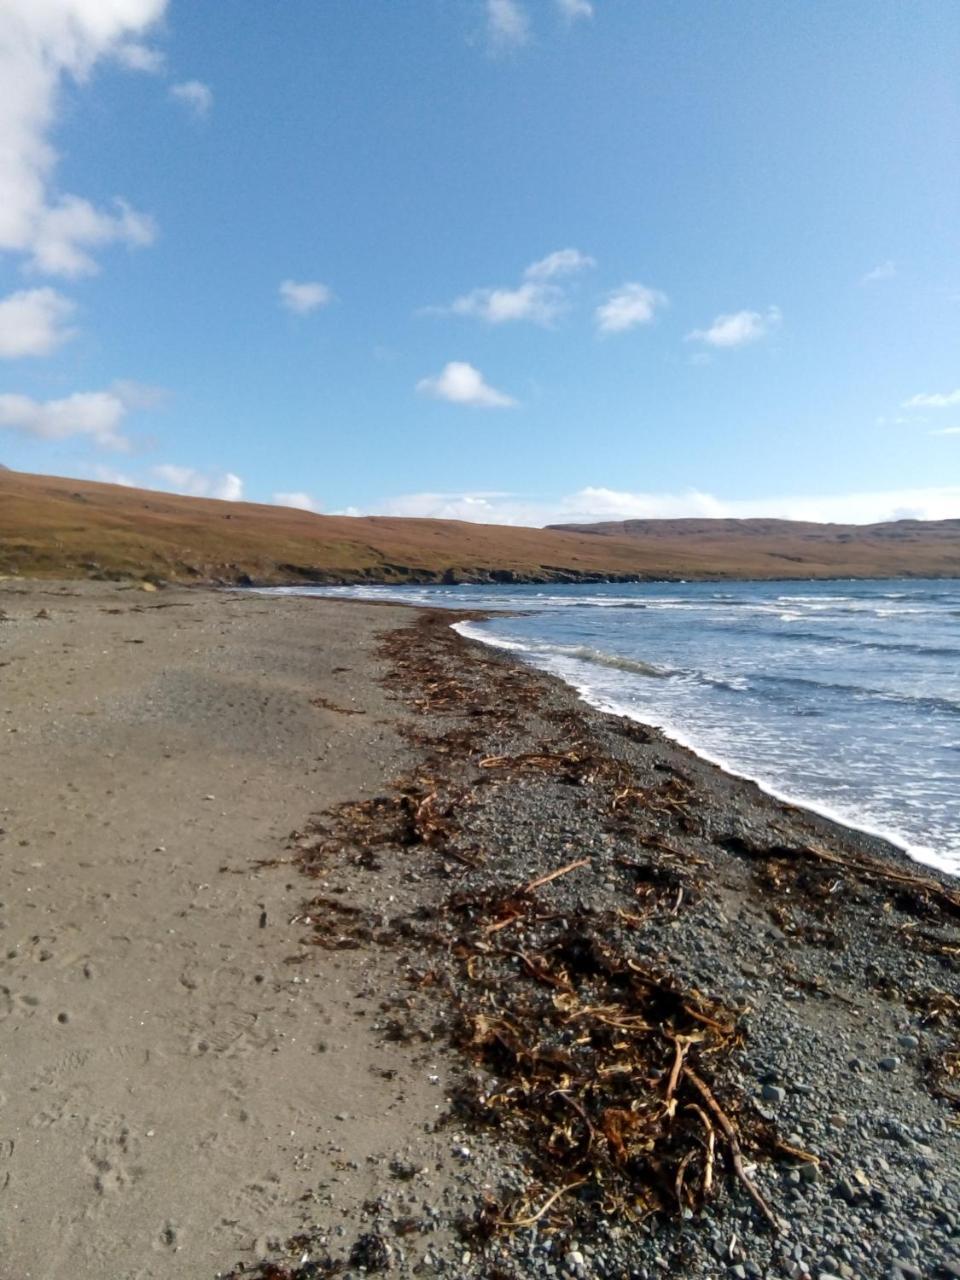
{"type": "Point", "coordinates": [170, 1085]}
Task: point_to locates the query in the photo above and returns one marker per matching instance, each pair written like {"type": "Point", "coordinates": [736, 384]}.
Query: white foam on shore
{"type": "Point", "coordinates": [917, 853]}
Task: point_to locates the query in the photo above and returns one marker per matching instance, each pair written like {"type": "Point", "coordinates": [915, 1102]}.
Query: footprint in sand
{"type": "Point", "coordinates": [109, 1158]}
{"type": "Point", "coordinates": [6, 1154]}
{"type": "Point", "coordinates": [229, 1037]}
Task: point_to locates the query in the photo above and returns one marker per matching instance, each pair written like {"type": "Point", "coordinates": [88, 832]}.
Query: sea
{"type": "Point", "coordinates": [843, 697]}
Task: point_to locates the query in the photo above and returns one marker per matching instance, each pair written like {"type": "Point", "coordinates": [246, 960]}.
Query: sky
{"type": "Point", "coordinates": [518, 261]}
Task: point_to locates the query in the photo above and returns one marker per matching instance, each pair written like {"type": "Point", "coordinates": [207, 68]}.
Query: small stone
{"type": "Point", "coordinates": [845, 1190]}
{"type": "Point", "coordinates": [901, 1267]}
{"type": "Point", "coordinates": [908, 1042]}
{"type": "Point", "coordinates": [773, 1093]}
{"type": "Point", "coordinates": [889, 1064]}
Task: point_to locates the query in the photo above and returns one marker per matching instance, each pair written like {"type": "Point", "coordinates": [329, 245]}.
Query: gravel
{"type": "Point", "coordinates": [834, 999]}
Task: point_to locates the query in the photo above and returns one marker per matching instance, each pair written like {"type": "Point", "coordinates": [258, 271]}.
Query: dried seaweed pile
{"type": "Point", "coordinates": [616, 1082]}
{"type": "Point", "coordinates": [824, 884]}
{"type": "Point", "coordinates": [600, 1066]}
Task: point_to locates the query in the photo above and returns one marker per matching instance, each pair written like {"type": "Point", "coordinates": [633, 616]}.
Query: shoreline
{"type": "Point", "coordinates": [891, 841]}
{"type": "Point", "coordinates": [777, 918]}
{"type": "Point", "coordinates": [410, 833]}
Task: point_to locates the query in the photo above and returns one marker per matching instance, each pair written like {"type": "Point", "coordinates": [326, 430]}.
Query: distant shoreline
{"type": "Point", "coordinates": [56, 527]}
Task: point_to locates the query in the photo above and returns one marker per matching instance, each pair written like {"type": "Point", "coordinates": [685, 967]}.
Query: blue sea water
{"type": "Point", "coordinates": [841, 696]}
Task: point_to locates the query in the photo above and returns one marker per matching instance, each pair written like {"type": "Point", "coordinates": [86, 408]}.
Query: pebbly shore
{"type": "Point", "coordinates": [695, 1030]}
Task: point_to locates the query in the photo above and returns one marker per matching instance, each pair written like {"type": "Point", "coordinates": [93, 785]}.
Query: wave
{"type": "Point", "coordinates": [580, 653]}
{"type": "Point", "coordinates": [769, 686]}
{"type": "Point", "coordinates": [930, 702]}
{"type": "Point", "coordinates": [853, 818]}
{"type": "Point", "coordinates": [847, 642]}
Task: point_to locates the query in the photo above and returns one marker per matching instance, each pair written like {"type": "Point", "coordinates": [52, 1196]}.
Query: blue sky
{"type": "Point", "coordinates": [515, 260]}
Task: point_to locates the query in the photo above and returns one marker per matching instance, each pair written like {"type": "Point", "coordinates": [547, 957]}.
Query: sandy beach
{"type": "Point", "coordinates": [211, 1059]}
{"type": "Point", "coordinates": [169, 1082]}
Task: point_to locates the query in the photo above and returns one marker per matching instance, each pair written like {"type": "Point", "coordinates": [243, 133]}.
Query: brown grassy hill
{"type": "Point", "coordinates": [54, 526]}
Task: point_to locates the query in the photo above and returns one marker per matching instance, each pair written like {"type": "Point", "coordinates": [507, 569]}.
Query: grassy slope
{"type": "Point", "coordinates": [54, 526]}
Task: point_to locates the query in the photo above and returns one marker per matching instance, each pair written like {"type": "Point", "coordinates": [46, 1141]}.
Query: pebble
{"type": "Point", "coordinates": [889, 1064]}
{"type": "Point", "coordinates": [773, 1093]}
{"type": "Point", "coordinates": [901, 1267]}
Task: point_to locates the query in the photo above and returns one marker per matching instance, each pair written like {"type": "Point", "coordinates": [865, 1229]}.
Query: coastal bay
{"type": "Point", "coordinates": [270, 864]}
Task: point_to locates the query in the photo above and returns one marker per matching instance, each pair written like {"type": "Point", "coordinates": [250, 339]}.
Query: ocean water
{"type": "Point", "coordinates": [841, 696]}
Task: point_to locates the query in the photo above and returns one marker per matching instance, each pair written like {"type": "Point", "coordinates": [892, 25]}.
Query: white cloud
{"type": "Point", "coordinates": [630, 305]}
{"type": "Point", "coordinates": [461, 383]}
{"type": "Point", "coordinates": [538, 303]}
{"type": "Point", "coordinates": [32, 323]}
{"type": "Point", "coordinates": [598, 503]}
{"type": "Point", "coordinates": [884, 271]}
{"type": "Point", "coordinates": [536, 299]}
{"type": "Point", "coordinates": [63, 234]}
{"type": "Point", "coordinates": [199, 484]}
{"type": "Point", "coordinates": [42, 42]}
{"type": "Point", "coordinates": [304, 296]}
{"type": "Point", "coordinates": [507, 23]}
{"type": "Point", "coordinates": [193, 94]}
{"type": "Point", "coordinates": [109, 475]}
{"type": "Point", "coordinates": [562, 262]}
{"type": "Point", "coordinates": [574, 9]}
{"type": "Point", "coordinates": [738, 328]}
{"type": "Point", "coordinates": [140, 57]}
{"type": "Point", "coordinates": [298, 501]}
{"type": "Point", "coordinates": [946, 431]}
{"type": "Point", "coordinates": [934, 400]}
{"type": "Point", "coordinates": [97, 415]}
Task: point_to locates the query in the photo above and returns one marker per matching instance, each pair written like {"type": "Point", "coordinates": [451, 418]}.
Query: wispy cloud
{"type": "Point", "coordinates": [933, 400]}
{"type": "Point", "coordinates": [302, 297]}
{"type": "Point", "coordinates": [41, 44]}
{"type": "Point", "coordinates": [198, 484]}
{"type": "Point", "coordinates": [562, 262]}
{"type": "Point", "coordinates": [597, 503]}
{"type": "Point", "coordinates": [508, 24]}
{"type": "Point", "coordinates": [883, 271]}
{"type": "Point", "coordinates": [461, 383]}
{"type": "Point", "coordinates": [33, 322]}
{"type": "Point", "coordinates": [574, 9]}
{"type": "Point", "coordinates": [298, 501]}
{"type": "Point", "coordinates": [946, 431]}
{"type": "Point", "coordinates": [135, 56]}
{"type": "Point", "coordinates": [194, 94]}
{"type": "Point", "coordinates": [738, 328]}
{"type": "Point", "coordinates": [537, 299]}
{"type": "Point", "coordinates": [96, 415]}
{"type": "Point", "coordinates": [631, 305]}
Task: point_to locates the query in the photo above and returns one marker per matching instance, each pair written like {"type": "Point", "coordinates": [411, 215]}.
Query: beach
{"type": "Point", "coordinates": [317, 917]}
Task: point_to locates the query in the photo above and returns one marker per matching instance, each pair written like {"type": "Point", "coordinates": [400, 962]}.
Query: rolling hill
{"type": "Point", "coordinates": [51, 526]}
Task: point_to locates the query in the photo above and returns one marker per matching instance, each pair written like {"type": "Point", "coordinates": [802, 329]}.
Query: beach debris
{"type": "Point", "coordinates": [916, 891]}
{"type": "Point", "coordinates": [326, 705]}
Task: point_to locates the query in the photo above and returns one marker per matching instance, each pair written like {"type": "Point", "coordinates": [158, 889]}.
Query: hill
{"type": "Point", "coordinates": [51, 526]}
